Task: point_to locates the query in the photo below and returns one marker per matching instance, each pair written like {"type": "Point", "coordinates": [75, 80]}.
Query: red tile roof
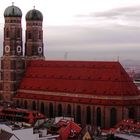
{"type": "Point", "coordinates": [68, 127]}
{"type": "Point", "coordinates": [24, 115]}
{"type": "Point", "coordinates": [84, 77]}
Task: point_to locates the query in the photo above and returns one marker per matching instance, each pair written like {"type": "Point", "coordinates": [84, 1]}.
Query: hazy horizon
{"type": "Point", "coordinates": [86, 29]}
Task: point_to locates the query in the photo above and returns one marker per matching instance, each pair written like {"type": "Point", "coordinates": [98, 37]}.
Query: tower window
{"type": "Point", "coordinates": [19, 49]}
{"type": "Point", "coordinates": [29, 35]}
{"type": "Point", "coordinates": [18, 33]}
{"type": "Point", "coordinates": [7, 33]}
{"type": "Point", "coordinates": [40, 35]}
{"type": "Point", "coordinates": [39, 50]}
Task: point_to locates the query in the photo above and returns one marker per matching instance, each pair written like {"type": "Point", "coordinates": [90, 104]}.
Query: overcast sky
{"type": "Point", "coordinates": [85, 29]}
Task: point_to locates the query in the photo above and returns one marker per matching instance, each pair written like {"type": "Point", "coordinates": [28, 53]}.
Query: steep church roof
{"type": "Point", "coordinates": [82, 79]}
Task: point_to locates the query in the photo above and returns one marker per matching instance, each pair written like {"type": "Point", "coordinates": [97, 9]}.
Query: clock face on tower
{"type": "Point", "coordinates": [7, 48]}
{"type": "Point", "coordinates": [39, 50]}
{"type": "Point", "coordinates": [18, 49]}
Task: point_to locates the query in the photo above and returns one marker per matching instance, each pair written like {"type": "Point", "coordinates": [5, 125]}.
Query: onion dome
{"type": "Point", "coordinates": [12, 11]}
{"type": "Point", "coordinates": [34, 15]}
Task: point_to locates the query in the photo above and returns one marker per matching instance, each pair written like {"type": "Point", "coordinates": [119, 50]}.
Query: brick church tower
{"type": "Point", "coordinates": [12, 61]}
{"type": "Point", "coordinates": [34, 35]}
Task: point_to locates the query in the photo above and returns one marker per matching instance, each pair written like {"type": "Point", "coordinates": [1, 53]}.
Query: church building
{"type": "Point", "coordinates": [98, 93]}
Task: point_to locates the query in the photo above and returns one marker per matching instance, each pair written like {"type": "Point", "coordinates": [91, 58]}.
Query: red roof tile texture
{"type": "Point", "coordinates": [83, 77]}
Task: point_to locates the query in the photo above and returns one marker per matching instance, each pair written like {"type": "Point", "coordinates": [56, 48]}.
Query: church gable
{"type": "Point", "coordinates": [90, 78]}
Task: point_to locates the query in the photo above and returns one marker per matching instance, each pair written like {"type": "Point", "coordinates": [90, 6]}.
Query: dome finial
{"type": "Point", "coordinates": [12, 3]}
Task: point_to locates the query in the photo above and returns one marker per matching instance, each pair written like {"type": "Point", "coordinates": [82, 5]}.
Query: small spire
{"type": "Point", "coordinates": [12, 3]}
{"type": "Point", "coordinates": [118, 59]}
{"type": "Point", "coordinates": [34, 7]}
{"type": "Point", "coordinates": [65, 55]}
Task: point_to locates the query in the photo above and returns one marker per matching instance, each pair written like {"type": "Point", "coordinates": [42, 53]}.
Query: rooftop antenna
{"type": "Point", "coordinates": [12, 3]}
{"type": "Point", "coordinates": [65, 55]}
{"type": "Point", "coordinates": [118, 58]}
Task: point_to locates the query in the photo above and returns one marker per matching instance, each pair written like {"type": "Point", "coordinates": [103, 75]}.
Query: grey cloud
{"type": "Point", "coordinates": [124, 11]}
{"type": "Point", "coordinates": [73, 35]}
{"type": "Point", "coordinates": [131, 15]}
{"type": "Point", "coordinates": [92, 42]}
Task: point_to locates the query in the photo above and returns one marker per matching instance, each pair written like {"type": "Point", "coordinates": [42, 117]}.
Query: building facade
{"type": "Point", "coordinates": [96, 93]}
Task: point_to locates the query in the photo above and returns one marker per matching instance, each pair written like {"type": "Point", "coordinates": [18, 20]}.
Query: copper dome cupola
{"type": "Point", "coordinates": [12, 11]}
{"type": "Point", "coordinates": [34, 15]}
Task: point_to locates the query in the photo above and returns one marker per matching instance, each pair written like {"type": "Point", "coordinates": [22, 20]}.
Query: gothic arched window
{"type": "Point", "coordinates": [88, 117]}
{"type": "Point", "coordinates": [59, 110]}
{"type": "Point", "coordinates": [113, 117]}
{"type": "Point", "coordinates": [69, 110]}
{"type": "Point", "coordinates": [51, 110]}
{"type": "Point", "coordinates": [42, 108]}
{"type": "Point", "coordinates": [131, 113]}
{"type": "Point", "coordinates": [7, 33]}
{"type": "Point", "coordinates": [34, 105]}
{"type": "Point", "coordinates": [98, 116]}
{"type": "Point", "coordinates": [29, 35]}
{"type": "Point", "coordinates": [78, 114]}
{"type": "Point", "coordinates": [25, 104]}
